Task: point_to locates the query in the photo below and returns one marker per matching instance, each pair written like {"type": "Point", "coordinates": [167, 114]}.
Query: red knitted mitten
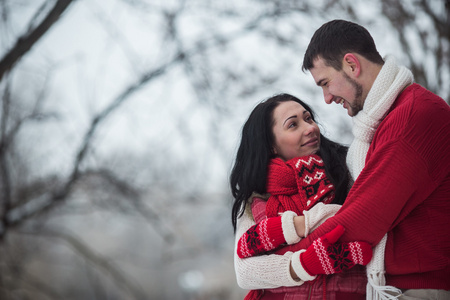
{"type": "Point", "coordinates": [262, 237]}
{"type": "Point", "coordinates": [313, 184]}
{"type": "Point", "coordinates": [325, 256]}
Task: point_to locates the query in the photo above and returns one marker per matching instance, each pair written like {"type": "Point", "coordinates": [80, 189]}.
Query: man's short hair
{"type": "Point", "coordinates": [335, 39]}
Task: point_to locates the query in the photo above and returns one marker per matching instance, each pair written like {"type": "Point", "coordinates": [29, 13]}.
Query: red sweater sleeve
{"type": "Point", "coordinates": [407, 160]}
{"type": "Point", "coordinates": [390, 186]}
{"type": "Point", "coordinates": [386, 190]}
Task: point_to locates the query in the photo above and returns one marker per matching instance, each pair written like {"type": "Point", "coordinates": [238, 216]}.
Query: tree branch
{"type": "Point", "coordinates": [27, 41]}
{"type": "Point", "coordinates": [99, 261]}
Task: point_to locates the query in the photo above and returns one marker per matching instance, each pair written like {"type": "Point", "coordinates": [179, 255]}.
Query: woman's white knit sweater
{"type": "Point", "coordinates": [272, 271]}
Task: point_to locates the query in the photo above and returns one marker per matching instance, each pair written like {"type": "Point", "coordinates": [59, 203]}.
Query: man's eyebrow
{"type": "Point", "coordinates": [320, 82]}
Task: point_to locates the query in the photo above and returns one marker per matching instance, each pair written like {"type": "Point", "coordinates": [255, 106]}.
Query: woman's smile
{"type": "Point", "coordinates": [295, 132]}
{"type": "Point", "coordinates": [311, 142]}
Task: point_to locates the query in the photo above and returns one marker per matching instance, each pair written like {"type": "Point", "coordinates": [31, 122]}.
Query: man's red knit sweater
{"type": "Point", "coordinates": [404, 189]}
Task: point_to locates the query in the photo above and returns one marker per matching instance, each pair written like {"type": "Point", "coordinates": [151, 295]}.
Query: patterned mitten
{"type": "Point", "coordinates": [325, 256]}
{"type": "Point", "coordinates": [262, 237]}
{"type": "Point", "coordinates": [312, 182]}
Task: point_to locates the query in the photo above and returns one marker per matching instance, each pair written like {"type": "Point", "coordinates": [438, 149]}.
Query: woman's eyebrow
{"type": "Point", "coordinates": [291, 117]}
{"type": "Point", "coordinates": [294, 116]}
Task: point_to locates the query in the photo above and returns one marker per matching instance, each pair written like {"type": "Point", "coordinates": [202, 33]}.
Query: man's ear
{"type": "Point", "coordinates": [351, 64]}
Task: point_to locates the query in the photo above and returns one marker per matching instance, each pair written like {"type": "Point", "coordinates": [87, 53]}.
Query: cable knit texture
{"type": "Point", "coordinates": [261, 237]}
{"type": "Point", "coordinates": [409, 158]}
{"type": "Point", "coordinates": [294, 186]}
{"type": "Point", "coordinates": [326, 257]}
{"type": "Point", "coordinates": [319, 214]}
{"type": "Point", "coordinates": [297, 185]}
{"type": "Point", "coordinates": [289, 231]}
{"type": "Point", "coordinates": [271, 272]}
{"type": "Point", "coordinates": [261, 272]}
{"type": "Point", "coordinates": [391, 80]}
{"type": "Point", "coordinates": [389, 83]}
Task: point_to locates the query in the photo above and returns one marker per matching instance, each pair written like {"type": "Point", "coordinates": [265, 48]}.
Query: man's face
{"type": "Point", "coordinates": [338, 87]}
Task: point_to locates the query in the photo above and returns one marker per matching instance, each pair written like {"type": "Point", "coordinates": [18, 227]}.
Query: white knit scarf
{"type": "Point", "coordinates": [390, 82]}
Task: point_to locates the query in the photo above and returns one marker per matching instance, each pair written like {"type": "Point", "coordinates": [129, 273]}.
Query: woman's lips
{"type": "Point", "coordinates": [311, 142]}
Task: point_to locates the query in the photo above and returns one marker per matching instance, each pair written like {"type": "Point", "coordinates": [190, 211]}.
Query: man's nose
{"type": "Point", "coordinates": [327, 96]}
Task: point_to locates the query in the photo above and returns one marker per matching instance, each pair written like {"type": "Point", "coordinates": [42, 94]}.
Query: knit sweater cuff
{"type": "Point", "coordinates": [289, 232]}
{"type": "Point", "coordinates": [298, 268]}
{"type": "Point", "coordinates": [318, 214]}
{"type": "Point", "coordinates": [274, 232]}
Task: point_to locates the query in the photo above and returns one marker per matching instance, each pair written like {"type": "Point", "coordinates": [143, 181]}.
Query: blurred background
{"type": "Point", "coordinates": [120, 120]}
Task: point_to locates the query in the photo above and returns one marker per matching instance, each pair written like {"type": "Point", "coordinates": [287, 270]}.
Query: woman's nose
{"type": "Point", "coordinates": [310, 128]}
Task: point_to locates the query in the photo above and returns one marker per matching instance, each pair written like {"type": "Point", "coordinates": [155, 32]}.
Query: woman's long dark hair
{"type": "Point", "coordinates": [249, 172]}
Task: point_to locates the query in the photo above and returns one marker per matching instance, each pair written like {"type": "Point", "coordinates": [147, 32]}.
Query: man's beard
{"type": "Point", "coordinates": [358, 102]}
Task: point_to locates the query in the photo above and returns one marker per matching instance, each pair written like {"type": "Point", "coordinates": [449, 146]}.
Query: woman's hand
{"type": "Point", "coordinates": [299, 224]}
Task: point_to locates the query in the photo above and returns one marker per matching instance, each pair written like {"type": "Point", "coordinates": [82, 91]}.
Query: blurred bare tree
{"type": "Point", "coordinates": [83, 214]}
{"type": "Point", "coordinates": [424, 31]}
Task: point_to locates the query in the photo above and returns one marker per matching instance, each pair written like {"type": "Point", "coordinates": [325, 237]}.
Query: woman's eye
{"type": "Point", "coordinates": [291, 125]}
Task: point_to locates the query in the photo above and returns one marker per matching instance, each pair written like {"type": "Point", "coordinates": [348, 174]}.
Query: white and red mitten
{"type": "Point", "coordinates": [260, 238]}
{"type": "Point", "coordinates": [312, 181]}
{"type": "Point", "coordinates": [325, 256]}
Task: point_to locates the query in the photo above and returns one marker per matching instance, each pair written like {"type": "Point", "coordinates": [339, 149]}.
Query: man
{"type": "Point", "coordinates": [400, 159]}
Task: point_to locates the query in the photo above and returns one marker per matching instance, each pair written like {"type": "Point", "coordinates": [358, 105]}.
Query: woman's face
{"type": "Point", "coordinates": [295, 132]}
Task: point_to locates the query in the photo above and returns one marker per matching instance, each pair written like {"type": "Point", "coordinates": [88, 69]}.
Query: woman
{"type": "Point", "coordinates": [284, 127]}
